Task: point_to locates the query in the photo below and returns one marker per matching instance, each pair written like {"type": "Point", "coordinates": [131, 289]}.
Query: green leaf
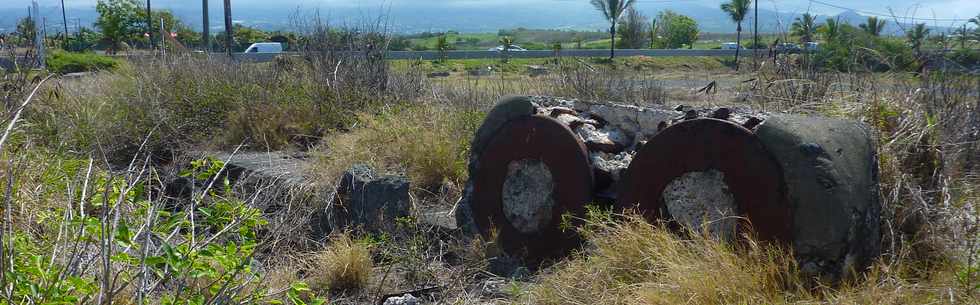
{"type": "Point", "coordinates": [124, 237]}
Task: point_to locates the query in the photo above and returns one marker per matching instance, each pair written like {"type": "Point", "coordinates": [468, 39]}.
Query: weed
{"type": "Point", "coordinates": [429, 142]}
{"type": "Point", "coordinates": [62, 62]}
{"type": "Point", "coordinates": [634, 262]}
{"type": "Point", "coordinates": [345, 266]}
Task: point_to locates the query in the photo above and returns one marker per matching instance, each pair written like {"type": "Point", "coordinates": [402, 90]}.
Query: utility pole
{"type": "Point", "coordinates": [78, 28]}
{"type": "Point", "coordinates": [163, 38]}
{"type": "Point", "coordinates": [38, 34]}
{"type": "Point", "coordinates": [149, 24]}
{"type": "Point", "coordinates": [228, 34]}
{"type": "Point", "coordinates": [755, 33]}
{"type": "Point", "coordinates": [64, 18]}
{"type": "Point", "coordinates": [206, 31]}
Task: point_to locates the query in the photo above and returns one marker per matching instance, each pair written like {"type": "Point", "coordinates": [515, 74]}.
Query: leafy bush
{"type": "Point", "coordinates": [64, 62]}
{"type": "Point", "coordinates": [966, 57]}
{"type": "Point", "coordinates": [114, 240]}
{"type": "Point", "coordinates": [856, 50]}
{"type": "Point", "coordinates": [674, 31]}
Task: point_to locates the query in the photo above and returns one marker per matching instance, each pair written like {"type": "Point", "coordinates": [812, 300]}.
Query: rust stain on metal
{"type": "Point", "coordinates": [533, 138]}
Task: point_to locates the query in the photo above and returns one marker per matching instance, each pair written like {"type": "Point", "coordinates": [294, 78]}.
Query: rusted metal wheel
{"type": "Point", "coordinates": [709, 171]}
{"type": "Point", "coordinates": [530, 173]}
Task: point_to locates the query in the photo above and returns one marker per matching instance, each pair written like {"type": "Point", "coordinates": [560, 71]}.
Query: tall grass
{"type": "Point", "coordinates": [345, 266]}
{"type": "Point", "coordinates": [430, 143]}
{"type": "Point", "coordinates": [634, 262]}
{"type": "Point", "coordinates": [102, 232]}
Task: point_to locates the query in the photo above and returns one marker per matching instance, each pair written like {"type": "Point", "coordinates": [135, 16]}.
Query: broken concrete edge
{"type": "Point", "coordinates": [283, 182]}
{"type": "Point", "coordinates": [254, 170]}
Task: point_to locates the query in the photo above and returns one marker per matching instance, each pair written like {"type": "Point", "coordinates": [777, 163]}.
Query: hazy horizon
{"type": "Point", "coordinates": [412, 16]}
{"type": "Point", "coordinates": [943, 9]}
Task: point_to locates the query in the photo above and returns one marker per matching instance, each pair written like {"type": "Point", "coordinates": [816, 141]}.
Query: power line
{"type": "Point", "coordinates": [876, 14]}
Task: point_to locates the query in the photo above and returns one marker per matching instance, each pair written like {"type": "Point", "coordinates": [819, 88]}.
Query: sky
{"type": "Point", "coordinates": [945, 9]}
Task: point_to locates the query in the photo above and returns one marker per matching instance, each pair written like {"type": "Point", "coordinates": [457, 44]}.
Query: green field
{"type": "Point", "coordinates": [544, 39]}
{"type": "Point", "coordinates": [526, 38]}
{"type": "Point", "coordinates": [639, 65]}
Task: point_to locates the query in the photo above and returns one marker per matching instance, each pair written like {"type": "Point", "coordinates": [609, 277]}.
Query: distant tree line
{"type": "Point", "coordinates": [122, 25]}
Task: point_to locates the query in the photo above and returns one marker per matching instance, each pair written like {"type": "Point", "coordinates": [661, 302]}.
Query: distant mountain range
{"type": "Point", "coordinates": [577, 15]}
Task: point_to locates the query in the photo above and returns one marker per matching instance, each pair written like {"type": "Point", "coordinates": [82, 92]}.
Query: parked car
{"type": "Point", "coordinates": [512, 48]}
{"type": "Point", "coordinates": [788, 48]}
{"type": "Point", "coordinates": [731, 46]}
{"type": "Point", "coordinates": [265, 47]}
{"type": "Point", "coordinates": [812, 46]}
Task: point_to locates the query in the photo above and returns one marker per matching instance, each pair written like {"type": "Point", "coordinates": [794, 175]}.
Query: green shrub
{"type": "Point", "coordinates": [890, 55]}
{"type": "Point", "coordinates": [966, 57]}
{"type": "Point", "coordinates": [856, 50]}
{"type": "Point", "coordinates": [65, 62]}
{"type": "Point", "coordinates": [42, 255]}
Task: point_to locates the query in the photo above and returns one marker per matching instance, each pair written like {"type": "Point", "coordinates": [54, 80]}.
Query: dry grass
{"type": "Point", "coordinates": [928, 167]}
{"type": "Point", "coordinates": [428, 142]}
{"type": "Point", "coordinates": [927, 135]}
{"type": "Point", "coordinates": [634, 262]}
{"type": "Point", "coordinates": [345, 266]}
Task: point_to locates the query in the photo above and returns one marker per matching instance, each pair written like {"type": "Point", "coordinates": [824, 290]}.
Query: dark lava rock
{"type": "Point", "coordinates": [366, 200]}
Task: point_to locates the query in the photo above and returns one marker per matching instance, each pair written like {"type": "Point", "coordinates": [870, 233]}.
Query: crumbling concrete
{"type": "Point", "coordinates": [362, 199]}
{"type": "Point", "coordinates": [527, 195]}
{"type": "Point", "coordinates": [699, 199]}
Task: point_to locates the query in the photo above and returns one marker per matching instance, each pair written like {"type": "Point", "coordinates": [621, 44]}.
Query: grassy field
{"type": "Point", "coordinates": [527, 38]}
{"type": "Point", "coordinates": [640, 66]}
{"type": "Point", "coordinates": [542, 40]}
{"type": "Point", "coordinates": [89, 166]}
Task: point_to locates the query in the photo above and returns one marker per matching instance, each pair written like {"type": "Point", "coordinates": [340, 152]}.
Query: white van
{"type": "Point", "coordinates": [731, 46]}
{"type": "Point", "coordinates": [264, 47]}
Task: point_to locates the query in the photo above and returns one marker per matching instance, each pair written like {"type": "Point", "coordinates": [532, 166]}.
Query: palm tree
{"type": "Point", "coordinates": [976, 20]}
{"type": "Point", "coordinates": [916, 36]}
{"type": "Point", "coordinates": [803, 27]}
{"type": "Point", "coordinates": [874, 26]}
{"type": "Point", "coordinates": [962, 36]}
{"type": "Point", "coordinates": [737, 9]}
{"type": "Point", "coordinates": [612, 10]}
{"type": "Point", "coordinates": [442, 45]}
{"type": "Point", "coordinates": [507, 42]}
{"type": "Point", "coordinates": [830, 29]}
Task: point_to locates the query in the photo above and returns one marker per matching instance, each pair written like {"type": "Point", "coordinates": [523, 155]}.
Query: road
{"type": "Point", "coordinates": [432, 55]}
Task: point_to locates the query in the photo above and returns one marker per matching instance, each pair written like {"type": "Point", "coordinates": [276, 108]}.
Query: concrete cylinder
{"type": "Point", "coordinates": [809, 182]}
{"type": "Point", "coordinates": [831, 172]}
